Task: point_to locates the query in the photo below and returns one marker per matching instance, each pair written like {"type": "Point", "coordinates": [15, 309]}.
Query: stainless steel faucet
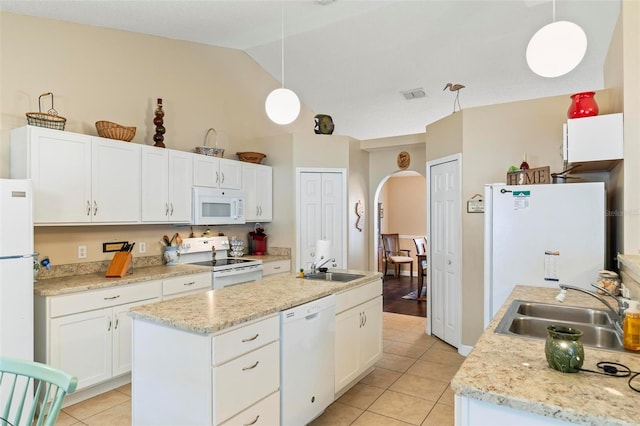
{"type": "Point", "coordinates": [617, 314]}
{"type": "Point", "coordinates": [320, 263]}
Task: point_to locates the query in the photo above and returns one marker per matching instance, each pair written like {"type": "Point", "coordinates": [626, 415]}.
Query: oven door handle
{"type": "Point", "coordinates": [237, 271]}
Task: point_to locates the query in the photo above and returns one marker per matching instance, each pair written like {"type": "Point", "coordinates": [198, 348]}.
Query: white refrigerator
{"type": "Point", "coordinates": [541, 235]}
{"type": "Point", "coordinates": [16, 269]}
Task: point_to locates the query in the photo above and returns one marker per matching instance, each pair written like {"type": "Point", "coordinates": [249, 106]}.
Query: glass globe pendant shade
{"type": "Point", "coordinates": [282, 106]}
{"type": "Point", "coordinates": [556, 49]}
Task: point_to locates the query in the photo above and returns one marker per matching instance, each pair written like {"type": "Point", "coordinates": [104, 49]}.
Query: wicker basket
{"type": "Point", "coordinates": [251, 157]}
{"type": "Point", "coordinates": [49, 119]}
{"type": "Point", "coordinates": [107, 129]}
{"type": "Point", "coordinates": [212, 151]}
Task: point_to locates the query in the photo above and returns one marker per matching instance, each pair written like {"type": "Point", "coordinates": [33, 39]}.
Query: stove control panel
{"type": "Point", "coordinates": [203, 244]}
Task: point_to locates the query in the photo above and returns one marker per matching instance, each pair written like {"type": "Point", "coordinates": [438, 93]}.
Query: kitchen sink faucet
{"type": "Point", "coordinates": [617, 314]}
{"type": "Point", "coordinates": [322, 261]}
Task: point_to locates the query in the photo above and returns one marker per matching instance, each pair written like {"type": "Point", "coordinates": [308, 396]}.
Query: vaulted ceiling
{"type": "Point", "coordinates": [352, 59]}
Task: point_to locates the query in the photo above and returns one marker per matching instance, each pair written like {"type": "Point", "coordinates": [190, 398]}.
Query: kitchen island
{"type": "Point", "coordinates": [214, 357]}
{"type": "Point", "coordinates": [506, 379]}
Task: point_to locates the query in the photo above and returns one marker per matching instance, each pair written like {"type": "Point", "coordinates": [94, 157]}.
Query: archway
{"type": "Point", "coordinates": [400, 198]}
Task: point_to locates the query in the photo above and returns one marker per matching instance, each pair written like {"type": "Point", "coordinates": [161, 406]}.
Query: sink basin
{"type": "Point", "coordinates": [333, 276]}
{"type": "Point", "coordinates": [565, 313]}
{"type": "Point", "coordinates": [531, 319]}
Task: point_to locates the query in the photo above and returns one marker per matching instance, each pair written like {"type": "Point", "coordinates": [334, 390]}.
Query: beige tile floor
{"type": "Point", "coordinates": [409, 386]}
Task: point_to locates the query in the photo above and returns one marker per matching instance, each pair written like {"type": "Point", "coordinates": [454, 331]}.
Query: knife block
{"type": "Point", "coordinates": [119, 264]}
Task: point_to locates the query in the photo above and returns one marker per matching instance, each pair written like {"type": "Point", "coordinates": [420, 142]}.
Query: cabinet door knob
{"type": "Point", "coordinates": [95, 207]}
{"type": "Point", "coordinates": [109, 326]}
{"type": "Point", "coordinates": [88, 208]}
{"type": "Point", "coordinates": [171, 213]}
{"type": "Point", "coordinates": [222, 173]}
{"type": "Point", "coordinates": [166, 209]}
{"type": "Point", "coordinates": [217, 177]}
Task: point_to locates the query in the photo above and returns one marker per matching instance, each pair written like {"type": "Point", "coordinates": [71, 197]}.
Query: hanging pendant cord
{"type": "Point", "coordinates": [282, 44]}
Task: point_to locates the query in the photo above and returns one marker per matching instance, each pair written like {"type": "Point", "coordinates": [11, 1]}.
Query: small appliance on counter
{"type": "Point", "coordinates": [258, 241]}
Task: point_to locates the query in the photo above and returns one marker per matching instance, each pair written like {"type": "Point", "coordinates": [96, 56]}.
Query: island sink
{"type": "Point", "coordinates": [333, 276]}
{"type": "Point", "coordinates": [531, 319]}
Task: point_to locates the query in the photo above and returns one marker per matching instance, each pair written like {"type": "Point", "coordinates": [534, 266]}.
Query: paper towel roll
{"type": "Point", "coordinates": [323, 249]}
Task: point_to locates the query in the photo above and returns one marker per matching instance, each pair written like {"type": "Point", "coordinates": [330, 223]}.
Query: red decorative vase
{"type": "Point", "coordinates": [582, 105]}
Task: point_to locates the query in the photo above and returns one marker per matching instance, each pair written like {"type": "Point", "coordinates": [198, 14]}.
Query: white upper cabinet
{"type": "Point", "coordinates": [597, 138]}
{"type": "Point", "coordinates": [216, 172]}
{"type": "Point", "coordinates": [258, 192]}
{"type": "Point", "coordinates": [166, 185]}
{"type": "Point", "coordinates": [77, 178]}
{"type": "Point", "coordinates": [115, 181]}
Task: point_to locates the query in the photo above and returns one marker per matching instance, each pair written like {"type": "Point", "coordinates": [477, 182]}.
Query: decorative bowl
{"type": "Point", "coordinates": [108, 129]}
{"type": "Point", "coordinates": [251, 157]}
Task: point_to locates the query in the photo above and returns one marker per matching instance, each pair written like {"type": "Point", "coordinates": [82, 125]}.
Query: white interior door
{"type": "Point", "coordinates": [444, 224]}
{"type": "Point", "coordinates": [321, 215]}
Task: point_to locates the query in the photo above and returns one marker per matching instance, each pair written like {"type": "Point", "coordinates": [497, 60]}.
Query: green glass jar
{"type": "Point", "coordinates": [563, 348]}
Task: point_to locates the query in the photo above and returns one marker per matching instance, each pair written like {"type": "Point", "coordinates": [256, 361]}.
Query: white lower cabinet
{"type": "Point", "coordinates": [231, 377]}
{"type": "Point", "coordinates": [186, 285]}
{"type": "Point", "coordinates": [88, 334]}
{"type": "Point", "coordinates": [276, 267]}
{"type": "Point", "coordinates": [358, 333]}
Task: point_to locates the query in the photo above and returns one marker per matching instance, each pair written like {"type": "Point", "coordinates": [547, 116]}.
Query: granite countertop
{"type": "Point", "coordinates": [512, 371]}
{"type": "Point", "coordinates": [216, 310]}
{"type": "Point", "coordinates": [83, 282]}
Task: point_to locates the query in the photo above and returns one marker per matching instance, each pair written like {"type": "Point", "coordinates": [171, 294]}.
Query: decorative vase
{"type": "Point", "coordinates": [158, 138]}
{"type": "Point", "coordinates": [563, 348]}
{"type": "Point", "coordinates": [582, 105]}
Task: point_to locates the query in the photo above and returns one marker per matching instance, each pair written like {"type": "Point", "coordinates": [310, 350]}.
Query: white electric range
{"type": "Point", "coordinates": [226, 270]}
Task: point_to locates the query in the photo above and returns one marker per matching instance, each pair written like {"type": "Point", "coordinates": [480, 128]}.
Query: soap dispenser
{"type": "Point", "coordinates": [631, 327]}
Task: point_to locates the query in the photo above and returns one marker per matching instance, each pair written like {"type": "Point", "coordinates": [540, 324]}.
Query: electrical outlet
{"type": "Point", "coordinates": [82, 252]}
{"type": "Point", "coordinates": [142, 247]}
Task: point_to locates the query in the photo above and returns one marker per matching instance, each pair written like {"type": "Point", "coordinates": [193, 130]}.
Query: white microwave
{"type": "Point", "coordinates": [213, 206]}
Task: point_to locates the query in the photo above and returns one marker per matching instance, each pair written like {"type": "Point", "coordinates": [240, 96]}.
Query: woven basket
{"type": "Point", "coordinates": [211, 151]}
{"type": "Point", "coordinates": [49, 119]}
{"type": "Point", "coordinates": [251, 157]}
{"type": "Point", "coordinates": [107, 129]}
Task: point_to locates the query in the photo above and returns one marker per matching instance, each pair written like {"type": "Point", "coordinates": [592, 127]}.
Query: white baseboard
{"type": "Point", "coordinates": [464, 350]}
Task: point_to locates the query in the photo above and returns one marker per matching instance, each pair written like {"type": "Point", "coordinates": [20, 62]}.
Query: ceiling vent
{"type": "Point", "coordinates": [414, 94]}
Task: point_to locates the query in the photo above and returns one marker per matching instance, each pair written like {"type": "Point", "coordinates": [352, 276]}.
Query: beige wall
{"type": "Point", "coordinates": [622, 77]}
{"type": "Point", "coordinates": [491, 139]}
{"type": "Point", "coordinates": [101, 74]}
{"type": "Point", "coordinates": [359, 241]}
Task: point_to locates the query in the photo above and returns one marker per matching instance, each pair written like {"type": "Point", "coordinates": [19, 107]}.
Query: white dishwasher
{"type": "Point", "coordinates": [306, 360]}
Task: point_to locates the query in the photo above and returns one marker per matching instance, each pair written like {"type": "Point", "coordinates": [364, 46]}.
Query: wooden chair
{"type": "Point", "coordinates": [50, 384]}
{"type": "Point", "coordinates": [393, 254]}
{"type": "Point", "coordinates": [421, 254]}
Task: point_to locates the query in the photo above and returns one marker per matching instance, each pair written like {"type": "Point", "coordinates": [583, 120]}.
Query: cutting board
{"type": "Point", "coordinates": [119, 264]}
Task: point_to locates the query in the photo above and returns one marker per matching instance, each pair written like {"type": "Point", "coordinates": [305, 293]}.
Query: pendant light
{"type": "Point", "coordinates": [282, 105]}
{"type": "Point", "coordinates": [556, 48]}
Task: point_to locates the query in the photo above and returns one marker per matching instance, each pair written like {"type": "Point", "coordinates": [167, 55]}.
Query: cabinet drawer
{"type": "Point", "coordinates": [104, 298]}
{"type": "Point", "coordinates": [358, 295]}
{"type": "Point", "coordinates": [264, 413]}
{"type": "Point", "coordinates": [276, 267]}
{"type": "Point", "coordinates": [245, 380]}
{"type": "Point", "coordinates": [186, 283]}
{"type": "Point", "coordinates": [234, 343]}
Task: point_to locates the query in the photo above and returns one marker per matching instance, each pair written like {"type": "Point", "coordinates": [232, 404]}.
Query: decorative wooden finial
{"type": "Point", "coordinates": [158, 138]}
